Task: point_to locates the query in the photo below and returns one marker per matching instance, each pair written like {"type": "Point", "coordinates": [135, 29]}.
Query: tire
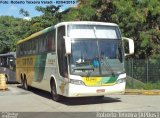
{"type": "Point", "coordinates": [100, 97]}
{"type": "Point", "coordinates": [54, 94]}
{"type": "Point", "coordinates": [24, 84]}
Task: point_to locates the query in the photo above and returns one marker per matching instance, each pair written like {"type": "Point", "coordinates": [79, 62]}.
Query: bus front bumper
{"type": "Point", "coordinates": [82, 90]}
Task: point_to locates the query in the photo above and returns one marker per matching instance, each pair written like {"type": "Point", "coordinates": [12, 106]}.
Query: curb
{"type": "Point", "coordinates": [142, 92]}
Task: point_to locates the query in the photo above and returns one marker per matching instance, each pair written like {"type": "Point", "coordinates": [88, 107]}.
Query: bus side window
{"type": "Point", "coordinates": [49, 42]}
{"type": "Point", "coordinates": [33, 46]}
{"type": "Point", "coordinates": [37, 45]}
{"type": "Point", "coordinates": [22, 49]}
{"type": "Point", "coordinates": [62, 59]}
{"type": "Point", "coordinates": [53, 41]}
{"type": "Point", "coordinates": [41, 44]}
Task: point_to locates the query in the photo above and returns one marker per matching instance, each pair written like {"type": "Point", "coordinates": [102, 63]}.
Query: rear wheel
{"type": "Point", "coordinates": [24, 83]}
{"type": "Point", "coordinates": [25, 86]}
{"type": "Point", "coordinates": [54, 94]}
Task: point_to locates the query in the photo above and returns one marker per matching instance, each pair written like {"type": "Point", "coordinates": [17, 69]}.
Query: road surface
{"type": "Point", "coordinates": [35, 101]}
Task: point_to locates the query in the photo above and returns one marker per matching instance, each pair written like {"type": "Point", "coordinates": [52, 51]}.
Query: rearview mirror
{"type": "Point", "coordinates": [67, 45]}
{"type": "Point", "coordinates": [130, 45]}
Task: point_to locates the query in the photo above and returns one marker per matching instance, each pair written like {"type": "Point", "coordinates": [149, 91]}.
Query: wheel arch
{"type": "Point", "coordinates": [52, 79]}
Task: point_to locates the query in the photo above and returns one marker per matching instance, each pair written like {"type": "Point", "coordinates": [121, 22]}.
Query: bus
{"type": "Point", "coordinates": [74, 59]}
{"type": "Point", "coordinates": [7, 66]}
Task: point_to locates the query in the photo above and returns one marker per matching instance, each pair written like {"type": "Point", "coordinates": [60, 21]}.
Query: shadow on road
{"type": "Point", "coordinates": [89, 100]}
{"type": "Point", "coordinates": [36, 91]}
{"type": "Point", "coordinates": [76, 100]}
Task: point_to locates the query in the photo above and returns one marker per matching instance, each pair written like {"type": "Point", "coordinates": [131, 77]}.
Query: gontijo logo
{"type": "Point", "coordinates": [98, 81]}
{"type": "Point", "coordinates": [92, 81]}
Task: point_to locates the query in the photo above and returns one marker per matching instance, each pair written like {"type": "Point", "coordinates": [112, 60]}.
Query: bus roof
{"type": "Point", "coordinates": [85, 23]}
{"type": "Point", "coordinates": [8, 54]}
{"type": "Point", "coordinates": [65, 23]}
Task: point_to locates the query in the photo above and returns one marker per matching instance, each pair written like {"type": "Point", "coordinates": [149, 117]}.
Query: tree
{"type": "Point", "coordinates": [50, 16]}
{"type": "Point", "coordinates": [12, 29]}
{"type": "Point", "coordinates": [139, 19]}
{"type": "Point", "coordinates": [85, 11]}
{"type": "Point", "coordinates": [24, 12]}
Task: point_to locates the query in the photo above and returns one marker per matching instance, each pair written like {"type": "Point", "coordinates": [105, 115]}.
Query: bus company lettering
{"type": "Point", "coordinates": [51, 61]}
{"type": "Point", "coordinates": [27, 61]}
{"type": "Point", "coordinates": [30, 61]}
{"type": "Point", "coordinates": [91, 79]}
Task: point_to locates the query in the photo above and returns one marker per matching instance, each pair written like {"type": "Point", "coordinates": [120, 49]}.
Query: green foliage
{"type": "Point", "coordinates": [150, 86]}
{"type": "Point", "coordinates": [71, 15]}
{"type": "Point", "coordinates": [51, 16]}
{"type": "Point", "coordinates": [23, 12]}
{"type": "Point", "coordinates": [140, 19]}
{"type": "Point", "coordinates": [136, 84]}
{"type": "Point", "coordinates": [83, 12]}
{"type": "Point", "coordinates": [12, 29]}
{"type": "Point", "coordinates": [132, 83]}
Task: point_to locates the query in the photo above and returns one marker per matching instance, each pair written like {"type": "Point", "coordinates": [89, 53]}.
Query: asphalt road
{"type": "Point", "coordinates": [40, 103]}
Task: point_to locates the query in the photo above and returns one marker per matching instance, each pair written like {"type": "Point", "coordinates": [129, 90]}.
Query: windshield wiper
{"type": "Point", "coordinates": [83, 68]}
{"type": "Point", "coordinates": [107, 65]}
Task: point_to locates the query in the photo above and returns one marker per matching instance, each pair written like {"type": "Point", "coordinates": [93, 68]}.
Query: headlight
{"type": "Point", "coordinates": [121, 80]}
{"type": "Point", "coordinates": [78, 82]}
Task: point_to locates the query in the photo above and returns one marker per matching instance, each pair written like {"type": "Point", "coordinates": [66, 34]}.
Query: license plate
{"type": "Point", "coordinates": [100, 90]}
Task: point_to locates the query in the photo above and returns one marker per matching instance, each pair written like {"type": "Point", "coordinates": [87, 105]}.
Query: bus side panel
{"type": "Point", "coordinates": [38, 70]}
{"type": "Point", "coordinates": [45, 68]}
{"type": "Point", "coordinates": [30, 69]}
{"type": "Point", "coordinates": [25, 69]}
{"type": "Point", "coordinates": [19, 69]}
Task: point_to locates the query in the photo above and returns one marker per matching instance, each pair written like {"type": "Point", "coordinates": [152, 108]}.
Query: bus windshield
{"type": "Point", "coordinates": [96, 57]}
{"type": "Point", "coordinates": [7, 61]}
{"type": "Point", "coordinates": [8, 66]}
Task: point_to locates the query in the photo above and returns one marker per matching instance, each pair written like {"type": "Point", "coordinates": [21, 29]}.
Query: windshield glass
{"type": "Point", "coordinates": [93, 31]}
{"type": "Point", "coordinates": [96, 57]}
{"type": "Point", "coordinates": [6, 61]}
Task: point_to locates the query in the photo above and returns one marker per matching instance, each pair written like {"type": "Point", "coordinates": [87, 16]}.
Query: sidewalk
{"type": "Point", "coordinates": [141, 92]}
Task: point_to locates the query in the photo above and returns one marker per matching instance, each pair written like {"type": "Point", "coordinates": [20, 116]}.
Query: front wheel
{"type": "Point", "coordinates": [100, 97]}
{"type": "Point", "coordinates": [54, 94]}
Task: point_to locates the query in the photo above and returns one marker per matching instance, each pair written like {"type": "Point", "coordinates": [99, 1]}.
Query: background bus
{"type": "Point", "coordinates": [7, 66]}
{"type": "Point", "coordinates": [74, 59]}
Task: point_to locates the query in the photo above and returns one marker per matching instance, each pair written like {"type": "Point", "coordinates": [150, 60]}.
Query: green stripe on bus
{"type": "Point", "coordinates": [40, 67]}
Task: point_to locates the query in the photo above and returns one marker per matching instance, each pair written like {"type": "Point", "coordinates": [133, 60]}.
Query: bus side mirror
{"type": "Point", "coordinates": [67, 45]}
{"type": "Point", "coordinates": [129, 44]}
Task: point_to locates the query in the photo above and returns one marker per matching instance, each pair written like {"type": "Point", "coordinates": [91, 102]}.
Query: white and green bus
{"type": "Point", "coordinates": [74, 59]}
